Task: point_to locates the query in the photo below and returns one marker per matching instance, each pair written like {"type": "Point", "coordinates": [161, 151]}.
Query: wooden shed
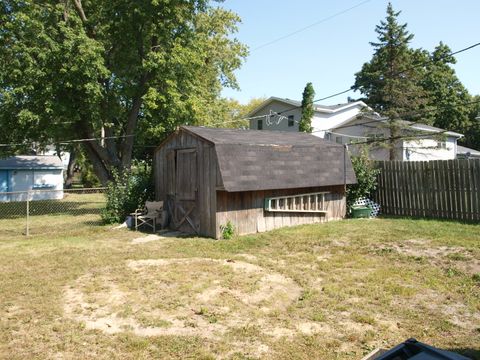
{"type": "Point", "coordinates": [257, 180]}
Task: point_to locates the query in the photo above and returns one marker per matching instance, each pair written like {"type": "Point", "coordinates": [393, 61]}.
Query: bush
{"type": "Point", "coordinates": [127, 192]}
{"type": "Point", "coordinates": [228, 230]}
{"type": "Point", "coordinates": [366, 179]}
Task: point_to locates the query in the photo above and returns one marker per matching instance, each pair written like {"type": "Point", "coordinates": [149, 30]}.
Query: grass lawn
{"type": "Point", "coordinates": [75, 213]}
{"type": "Point", "coordinates": [330, 291]}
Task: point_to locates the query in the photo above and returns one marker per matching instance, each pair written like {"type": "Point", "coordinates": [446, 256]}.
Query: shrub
{"type": "Point", "coordinates": [228, 230]}
{"type": "Point", "coordinates": [127, 192]}
{"type": "Point", "coordinates": [366, 179]}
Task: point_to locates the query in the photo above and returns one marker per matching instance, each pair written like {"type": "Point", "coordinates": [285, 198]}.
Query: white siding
{"type": "Point", "coordinates": [321, 119]}
{"type": "Point", "coordinates": [324, 121]}
{"type": "Point", "coordinates": [277, 107]}
{"type": "Point", "coordinates": [28, 180]}
{"type": "Point", "coordinates": [427, 149]}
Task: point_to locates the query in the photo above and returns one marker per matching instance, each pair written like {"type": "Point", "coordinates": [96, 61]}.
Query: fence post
{"type": "Point", "coordinates": [27, 232]}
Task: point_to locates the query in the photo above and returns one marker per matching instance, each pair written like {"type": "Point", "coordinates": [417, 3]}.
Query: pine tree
{"type": "Point", "coordinates": [391, 80]}
{"type": "Point", "coordinates": [307, 109]}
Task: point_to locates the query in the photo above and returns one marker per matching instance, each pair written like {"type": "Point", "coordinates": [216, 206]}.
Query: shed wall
{"type": "Point", "coordinates": [246, 209]}
{"type": "Point", "coordinates": [206, 173]}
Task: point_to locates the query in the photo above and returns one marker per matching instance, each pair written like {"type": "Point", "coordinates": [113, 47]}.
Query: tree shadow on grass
{"type": "Point", "coordinates": [12, 210]}
{"type": "Point", "coordinates": [401, 217]}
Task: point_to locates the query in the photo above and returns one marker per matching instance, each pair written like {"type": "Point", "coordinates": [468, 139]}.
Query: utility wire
{"type": "Point", "coordinates": [65, 142]}
{"type": "Point", "coordinates": [398, 73]}
{"type": "Point", "coordinates": [310, 26]}
{"type": "Point", "coordinates": [399, 117]}
{"type": "Point", "coordinates": [351, 87]}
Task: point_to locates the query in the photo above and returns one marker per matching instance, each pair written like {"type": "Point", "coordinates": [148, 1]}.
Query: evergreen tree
{"type": "Point", "coordinates": [390, 81]}
{"type": "Point", "coordinates": [305, 124]}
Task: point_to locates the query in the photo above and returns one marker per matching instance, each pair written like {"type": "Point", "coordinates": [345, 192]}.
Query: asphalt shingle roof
{"type": "Point", "coordinates": [27, 162]}
{"type": "Point", "coordinates": [262, 160]}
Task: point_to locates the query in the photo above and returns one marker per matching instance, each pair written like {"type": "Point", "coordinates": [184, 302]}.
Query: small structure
{"type": "Point", "coordinates": [21, 174]}
{"type": "Point", "coordinates": [257, 180]}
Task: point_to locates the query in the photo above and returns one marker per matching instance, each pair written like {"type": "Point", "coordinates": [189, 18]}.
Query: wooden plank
{"type": "Point", "coordinates": [441, 189]}
{"type": "Point", "coordinates": [456, 210]}
{"type": "Point", "coordinates": [408, 188]}
{"type": "Point", "coordinates": [476, 188]}
{"type": "Point", "coordinates": [212, 184]}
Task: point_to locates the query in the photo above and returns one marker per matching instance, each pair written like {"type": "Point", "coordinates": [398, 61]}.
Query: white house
{"type": "Point", "coordinates": [350, 123]}
{"type": "Point", "coordinates": [19, 174]}
{"type": "Point", "coordinates": [421, 143]}
{"type": "Point", "coordinates": [285, 114]}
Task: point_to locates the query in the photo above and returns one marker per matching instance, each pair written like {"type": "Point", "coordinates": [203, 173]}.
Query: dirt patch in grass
{"type": "Point", "coordinates": [458, 257]}
{"type": "Point", "coordinates": [200, 297]}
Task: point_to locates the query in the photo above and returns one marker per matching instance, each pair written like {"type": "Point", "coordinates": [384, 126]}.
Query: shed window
{"type": "Point", "coordinates": [260, 124]}
{"type": "Point", "coordinates": [339, 140]}
{"type": "Point", "coordinates": [291, 121]}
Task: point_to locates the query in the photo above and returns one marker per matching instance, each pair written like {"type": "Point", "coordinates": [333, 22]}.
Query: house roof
{"type": "Point", "coordinates": [410, 124]}
{"type": "Point", "coordinates": [317, 107]}
{"type": "Point", "coordinates": [262, 160]}
{"type": "Point", "coordinates": [464, 150]}
{"type": "Point", "coordinates": [27, 162]}
{"type": "Point", "coordinates": [433, 129]}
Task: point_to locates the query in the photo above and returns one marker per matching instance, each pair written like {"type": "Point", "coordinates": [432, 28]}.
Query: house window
{"type": "Point", "coordinates": [291, 121]}
{"type": "Point", "coordinates": [442, 145]}
{"type": "Point", "coordinates": [260, 124]}
{"type": "Point", "coordinates": [339, 140]}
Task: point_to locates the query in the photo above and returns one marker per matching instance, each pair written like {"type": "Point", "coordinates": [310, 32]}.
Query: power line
{"type": "Point", "coordinates": [398, 73]}
{"type": "Point", "coordinates": [399, 117]}
{"type": "Point", "coordinates": [66, 142]}
{"type": "Point", "coordinates": [310, 26]}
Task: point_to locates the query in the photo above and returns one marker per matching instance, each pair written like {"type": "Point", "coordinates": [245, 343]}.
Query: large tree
{"type": "Point", "coordinates": [390, 81]}
{"type": "Point", "coordinates": [308, 95]}
{"type": "Point", "coordinates": [124, 68]}
{"type": "Point", "coordinates": [448, 98]}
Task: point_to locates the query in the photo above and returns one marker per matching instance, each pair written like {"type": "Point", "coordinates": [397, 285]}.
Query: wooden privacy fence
{"type": "Point", "coordinates": [446, 189]}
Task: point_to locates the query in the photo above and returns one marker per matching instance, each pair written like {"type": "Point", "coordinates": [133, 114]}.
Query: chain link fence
{"type": "Point", "coordinates": [39, 212]}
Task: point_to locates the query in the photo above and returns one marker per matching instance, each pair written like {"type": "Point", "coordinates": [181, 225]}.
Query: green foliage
{"type": "Point", "coordinates": [390, 81]}
{"type": "Point", "coordinates": [307, 109]}
{"type": "Point", "coordinates": [134, 69]}
{"type": "Point", "coordinates": [447, 95]}
{"type": "Point", "coordinates": [366, 179]}
{"type": "Point", "coordinates": [127, 192]}
{"type": "Point", "coordinates": [472, 133]}
{"type": "Point", "coordinates": [232, 113]}
{"type": "Point", "coordinates": [403, 83]}
{"type": "Point", "coordinates": [228, 230]}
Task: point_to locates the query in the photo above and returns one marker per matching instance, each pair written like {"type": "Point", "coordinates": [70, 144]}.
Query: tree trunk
{"type": "Point", "coordinates": [102, 172]}
{"type": "Point", "coordinates": [71, 168]}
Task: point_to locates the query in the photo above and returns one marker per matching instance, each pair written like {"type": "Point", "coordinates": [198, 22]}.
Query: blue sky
{"type": "Point", "coordinates": [330, 53]}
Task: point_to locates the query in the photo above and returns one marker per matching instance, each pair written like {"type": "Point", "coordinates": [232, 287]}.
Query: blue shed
{"type": "Point", "coordinates": [41, 175]}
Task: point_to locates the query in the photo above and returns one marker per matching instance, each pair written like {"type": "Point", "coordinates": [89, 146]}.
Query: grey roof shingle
{"type": "Point", "coordinates": [27, 162]}
{"type": "Point", "coordinates": [261, 160]}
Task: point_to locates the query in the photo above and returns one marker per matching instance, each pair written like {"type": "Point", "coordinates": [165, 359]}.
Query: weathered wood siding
{"type": "Point", "coordinates": [206, 178]}
{"type": "Point", "coordinates": [246, 209]}
{"type": "Point", "coordinates": [443, 189]}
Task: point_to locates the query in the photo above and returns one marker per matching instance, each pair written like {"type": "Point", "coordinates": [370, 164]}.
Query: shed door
{"type": "Point", "coordinates": [185, 212]}
{"type": "Point", "coordinates": [186, 179]}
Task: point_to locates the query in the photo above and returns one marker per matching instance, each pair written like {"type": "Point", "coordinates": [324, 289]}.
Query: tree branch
{"type": "Point", "coordinates": [79, 7]}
